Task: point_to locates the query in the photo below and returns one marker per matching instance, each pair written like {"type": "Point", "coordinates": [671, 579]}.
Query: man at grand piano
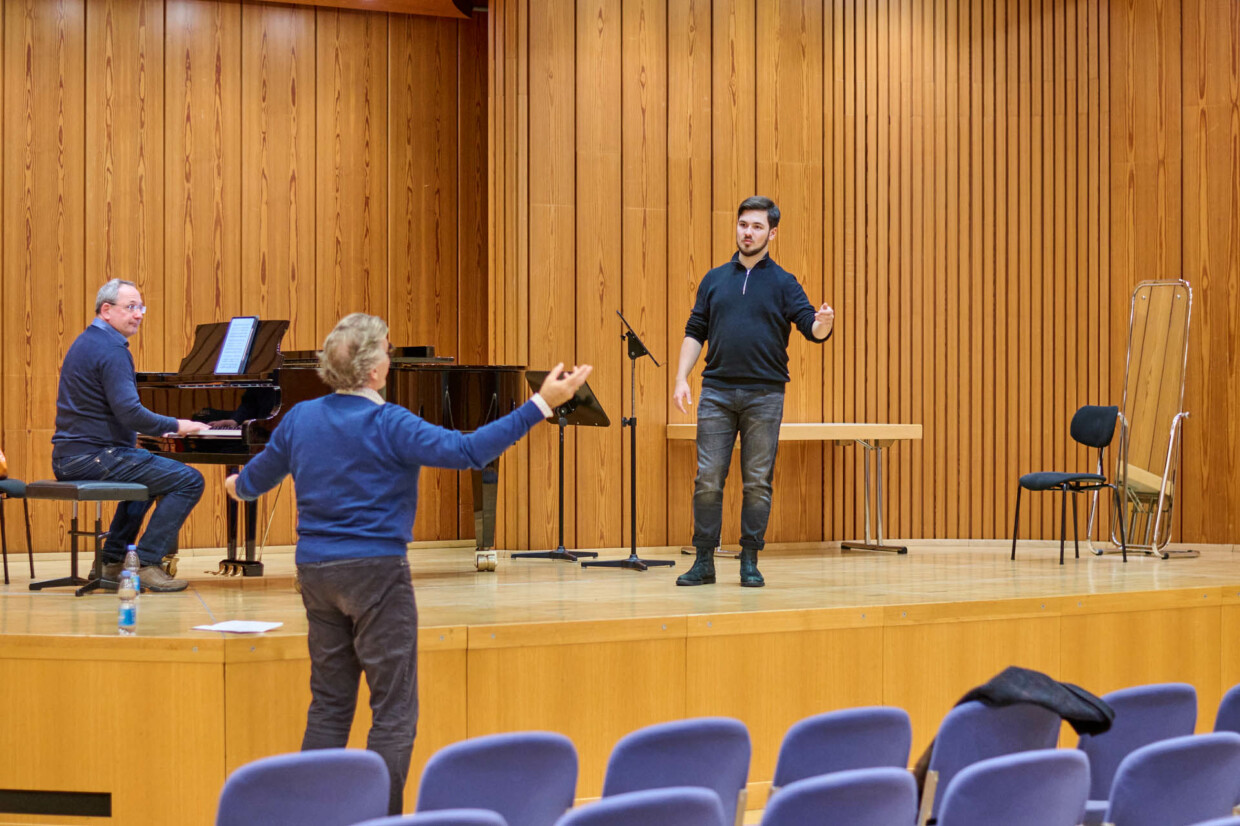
{"type": "Point", "coordinates": [355, 462]}
{"type": "Point", "coordinates": [98, 417]}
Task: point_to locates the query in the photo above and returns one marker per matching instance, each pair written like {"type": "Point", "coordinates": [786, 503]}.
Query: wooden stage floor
{"type": "Point", "coordinates": [593, 653]}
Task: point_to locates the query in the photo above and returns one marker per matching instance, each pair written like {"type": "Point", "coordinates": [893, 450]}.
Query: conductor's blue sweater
{"type": "Point", "coordinates": [355, 465]}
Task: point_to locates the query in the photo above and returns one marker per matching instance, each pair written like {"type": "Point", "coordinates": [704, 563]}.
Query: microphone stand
{"type": "Point", "coordinates": [635, 350]}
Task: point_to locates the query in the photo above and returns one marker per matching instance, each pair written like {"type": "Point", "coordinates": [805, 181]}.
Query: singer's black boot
{"type": "Point", "coordinates": [703, 570]}
{"type": "Point", "coordinates": [751, 577]}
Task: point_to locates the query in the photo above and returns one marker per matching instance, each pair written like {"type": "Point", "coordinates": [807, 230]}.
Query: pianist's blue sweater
{"type": "Point", "coordinates": [355, 467]}
{"type": "Point", "coordinates": [97, 403]}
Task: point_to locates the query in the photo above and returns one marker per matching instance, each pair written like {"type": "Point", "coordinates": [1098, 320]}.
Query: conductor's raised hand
{"type": "Point", "coordinates": [558, 387]}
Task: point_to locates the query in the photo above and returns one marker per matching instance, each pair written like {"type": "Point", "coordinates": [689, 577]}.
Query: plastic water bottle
{"type": "Point", "coordinates": [127, 590]}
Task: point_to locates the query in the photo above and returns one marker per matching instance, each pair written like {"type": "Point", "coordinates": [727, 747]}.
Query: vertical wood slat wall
{"type": "Point", "coordinates": [945, 174]}
{"type": "Point", "coordinates": [232, 158]}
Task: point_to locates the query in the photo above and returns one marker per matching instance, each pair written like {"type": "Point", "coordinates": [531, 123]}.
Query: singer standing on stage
{"type": "Point", "coordinates": [745, 309]}
{"type": "Point", "coordinates": [355, 462]}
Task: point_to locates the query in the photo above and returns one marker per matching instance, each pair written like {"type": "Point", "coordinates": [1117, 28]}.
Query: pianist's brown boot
{"type": "Point", "coordinates": [156, 579]}
{"type": "Point", "coordinates": [751, 577]}
{"type": "Point", "coordinates": [703, 570]}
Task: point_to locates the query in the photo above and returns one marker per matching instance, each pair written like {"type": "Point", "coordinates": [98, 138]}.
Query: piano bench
{"type": "Point", "coordinates": [84, 491]}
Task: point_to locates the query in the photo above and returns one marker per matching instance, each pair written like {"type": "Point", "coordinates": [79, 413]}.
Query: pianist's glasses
{"type": "Point", "coordinates": [132, 308]}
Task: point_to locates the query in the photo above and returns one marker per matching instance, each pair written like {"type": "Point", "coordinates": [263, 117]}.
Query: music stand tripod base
{"type": "Point", "coordinates": [558, 553]}
{"type": "Point", "coordinates": [632, 562]}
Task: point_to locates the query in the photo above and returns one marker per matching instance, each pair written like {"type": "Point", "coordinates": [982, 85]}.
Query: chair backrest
{"type": "Point", "coordinates": [679, 806]}
{"type": "Point", "coordinates": [1033, 788]}
{"type": "Point", "coordinates": [443, 817]}
{"type": "Point", "coordinates": [1228, 717]}
{"type": "Point", "coordinates": [861, 797]}
{"type": "Point", "coordinates": [327, 787]}
{"type": "Point", "coordinates": [853, 738]}
{"type": "Point", "coordinates": [708, 752]}
{"type": "Point", "coordinates": [528, 777]}
{"type": "Point", "coordinates": [973, 731]}
{"type": "Point", "coordinates": [1177, 782]}
{"type": "Point", "coordinates": [1094, 425]}
{"type": "Point", "coordinates": [1222, 821]}
{"type": "Point", "coordinates": [1144, 714]}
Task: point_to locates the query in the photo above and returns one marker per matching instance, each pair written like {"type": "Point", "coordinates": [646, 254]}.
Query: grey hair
{"type": "Point", "coordinates": [110, 291]}
{"type": "Point", "coordinates": [351, 350]}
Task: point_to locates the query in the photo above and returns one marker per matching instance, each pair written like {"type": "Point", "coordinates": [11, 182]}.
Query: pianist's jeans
{"type": "Point", "coordinates": [754, 413]}
{"type": "Point", "coordinates": [363, 619]}
{"type": "Point", "coordinates": [178, 488]}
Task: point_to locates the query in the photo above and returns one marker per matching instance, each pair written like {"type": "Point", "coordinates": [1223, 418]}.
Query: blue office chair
{"type": "Point", "coordinates": [678, 806]}
{"type": "Point", "coordinates": [861, 797]}
{"type": "Point", "coordinates": [528, 777]}
{"type": "Point", "coordinates": [972, 732]}
{"type": "Point", "coordinates": [1228, 717]}
{"type": "Point", "coordinates": [853, 738]}
{"type": "Point", "coordinates": [1177, 782]}
{"type": "Point", "coordinates": [444, 817]}
{"type": "Point", "coordinates": [1144, 714]}
{"type": "Point", "coordinates": [708, 752]}
{"type": "Point", "coordinates": [1032, 788]}
{"type": "Point", "coordinates": [327, 787]}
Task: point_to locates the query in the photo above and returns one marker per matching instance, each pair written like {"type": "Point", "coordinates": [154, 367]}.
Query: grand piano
{"type": "Point", "coordinates": [245, 408]}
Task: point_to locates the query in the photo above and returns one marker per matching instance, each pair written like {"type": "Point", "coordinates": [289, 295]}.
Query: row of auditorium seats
{"type": "Point", "coordinates": [987, 765]}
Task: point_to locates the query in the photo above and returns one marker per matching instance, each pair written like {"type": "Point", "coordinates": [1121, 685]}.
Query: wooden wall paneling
{"type": "Point", "coordinates": [1010, 269]}
{"type": "Point", "coordinates": [790, 168]}
{"type": "Point", "coordinates": [981, 439]}
{"type": "Point", "coordinates": [1030, 424]}
{"type": "Point", "coordinates": [923, 380]}
{"type": "Point", "coordinates": [933, 655]}
{"type": "Point", "coordinates": [519, 681]}
{"type": "Point", "coordinates": [277, 192]}
{"type": "Point", "coordinates": [1211, 36]}
{"type": "Point", "coordinates": [125, 164]}
{"type": "Point", "coordinates": [351, 182]}
{"type": "Point", "coordinates": [953, 265]}
{"type": "Point", "coordinates": [190, 692]}
{"type": "Point", "coordinates": [552, 254]}
{"type": "Point", "coordinates": [904, 325]}
{"type": "Point", "coordinates": [778, 670]}
{"type": "Point", "coordinates": [472, 240]}
{"type": "Point", "coordinates": [1059, 318]}
{"type": "Point", "coordinates": [835, 371]}
{"type": "Point", "coordinates": [939, 423]}
{"type": "Point", "coordinates": [689, 162]}
{"type": "Point", "coordinates": [422, 283]}
{"type": "Point", "coordinates": [644, 93]}
{"type": "Point", "coordinates": [849, 323]}
{"type": "Point", "coordinates": [1180, 642]}
{"type": "Point", "coordinates": [45, 304]}
{"type": "Point", "coordinates": [734, 103]}
{"type": "Point", "coordinates": [1044, 244]}
{"type": "Point", "coordinates": [202, 198]}
{"type": "Point", "coordinates": [986, 192]}
{"type": "Point", "coordinates": [598, 267]}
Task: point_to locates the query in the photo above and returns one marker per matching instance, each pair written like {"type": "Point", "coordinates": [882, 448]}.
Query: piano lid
{"type": "Point", "coordinates": [265, 355]}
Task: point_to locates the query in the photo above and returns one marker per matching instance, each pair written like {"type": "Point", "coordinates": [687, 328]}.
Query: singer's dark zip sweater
{"type": "Point", "coordinates": [745, 318]}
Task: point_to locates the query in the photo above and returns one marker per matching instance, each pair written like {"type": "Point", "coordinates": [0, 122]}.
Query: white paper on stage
{"type": "Point", "coordinates": [240, 626]}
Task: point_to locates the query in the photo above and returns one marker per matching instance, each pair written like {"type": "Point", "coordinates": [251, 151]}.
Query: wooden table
{"type": "Point", "coordinates": [874, 437]}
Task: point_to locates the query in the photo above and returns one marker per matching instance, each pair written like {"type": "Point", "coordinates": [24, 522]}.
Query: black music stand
{"type": "Point", "coordinates": [583, 409]}
{"type": "Point", "coordinates": [635, 350]}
